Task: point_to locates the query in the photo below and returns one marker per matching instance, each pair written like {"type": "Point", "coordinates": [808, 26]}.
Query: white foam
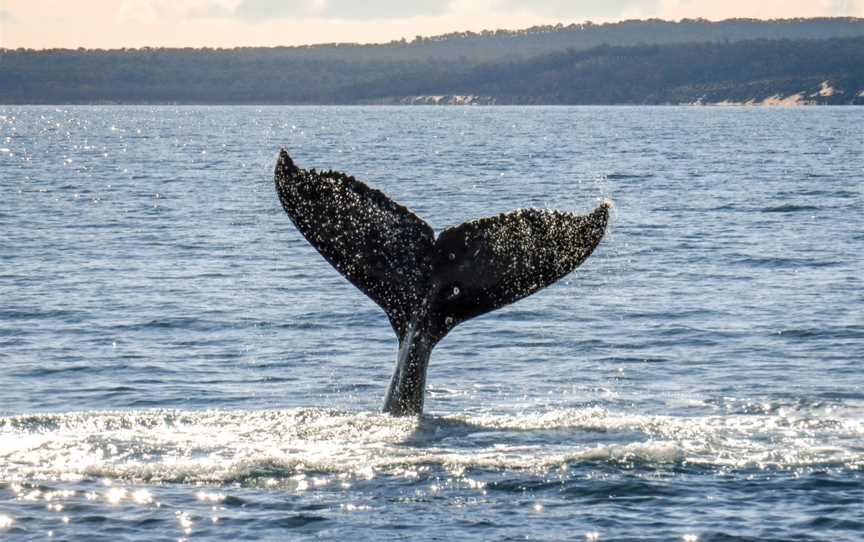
{"type": "Point", "coordinates": [262, 446]}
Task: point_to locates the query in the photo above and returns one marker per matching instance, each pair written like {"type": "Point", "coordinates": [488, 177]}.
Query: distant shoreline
{"type": "Point", "coordinates": [735, 62]}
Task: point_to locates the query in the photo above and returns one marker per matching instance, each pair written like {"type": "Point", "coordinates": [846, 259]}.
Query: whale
{"type": "Point", "coordinates": [427, 284]}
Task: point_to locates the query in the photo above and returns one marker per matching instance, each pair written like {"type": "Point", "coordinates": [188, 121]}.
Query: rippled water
{"type": "Point", "coordinates": [178, 363]}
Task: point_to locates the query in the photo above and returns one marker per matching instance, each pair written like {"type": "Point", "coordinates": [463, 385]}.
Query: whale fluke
{"type": "Point", "coordinates": [427, 286]}
{"type": "Point", "coordinates": [380, 246]}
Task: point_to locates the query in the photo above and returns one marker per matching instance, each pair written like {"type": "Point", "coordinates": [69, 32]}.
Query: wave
{"type": "Point", "coordinates": [826, 332]}
{"type": "Point", "coordinates": [782, 262]}
{"type": "Point", "coordinates": [789, 208]}
{"type": "Point", "coordinates": [276, 446]}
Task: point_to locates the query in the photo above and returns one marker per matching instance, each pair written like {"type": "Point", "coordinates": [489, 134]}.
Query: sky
{"type": "Point", "coordinates": [42, 24]}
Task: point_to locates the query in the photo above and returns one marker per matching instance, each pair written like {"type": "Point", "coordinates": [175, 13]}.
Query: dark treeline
{"type": "Point", "coordinates": [630, 62]}
{"type": "Point", "coordinates": [821, 71]}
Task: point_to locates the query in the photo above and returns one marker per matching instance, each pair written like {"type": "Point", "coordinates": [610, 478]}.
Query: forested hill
{"type": "Point", "coordinates": [793, 72]}
{"type": "Point", "coordinates": [633, 62]}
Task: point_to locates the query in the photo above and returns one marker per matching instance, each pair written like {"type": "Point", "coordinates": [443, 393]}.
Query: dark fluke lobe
{"type": "Point", "coordinates": [425, 285]}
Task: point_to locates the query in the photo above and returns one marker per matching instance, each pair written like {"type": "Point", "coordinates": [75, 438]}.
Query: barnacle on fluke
{"type": "Point", "coordinates": [427, 286]}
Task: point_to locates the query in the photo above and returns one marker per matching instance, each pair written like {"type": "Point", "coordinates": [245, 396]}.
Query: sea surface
{"type": "Point", "coordinates": [177, 363]}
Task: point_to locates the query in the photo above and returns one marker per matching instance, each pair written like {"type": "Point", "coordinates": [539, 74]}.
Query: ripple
{"type": "Point", "coordinates": [789, 208]}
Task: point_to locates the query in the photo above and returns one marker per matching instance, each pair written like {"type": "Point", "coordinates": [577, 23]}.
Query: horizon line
{"type": "Point", "coordinates": [449, 35]}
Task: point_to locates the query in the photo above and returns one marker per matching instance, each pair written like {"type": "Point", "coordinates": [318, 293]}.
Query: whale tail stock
{"type": "Point", "coordinates": [428, 286]}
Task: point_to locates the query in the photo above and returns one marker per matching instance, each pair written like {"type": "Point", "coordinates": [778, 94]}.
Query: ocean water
{"type": "Point", "coordinates": [177, 363]}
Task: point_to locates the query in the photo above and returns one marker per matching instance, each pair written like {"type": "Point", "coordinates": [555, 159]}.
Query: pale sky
{"type": "Point", "coordinates": [228, 23]}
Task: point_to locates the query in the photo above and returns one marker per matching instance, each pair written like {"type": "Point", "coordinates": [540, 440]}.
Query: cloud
{"type": "Point", "coordinates": [762, 9]}
{"type": "Point", "coordinates": [154, 11]}
{"type": "Point", "coordinates": [151, 11]}
{"type": "Point", "coordinates": [580, 9]}
{"type": "Point", "coordinates": [339, 9]}
{"type": "Point", "coordinates": [843, 7]}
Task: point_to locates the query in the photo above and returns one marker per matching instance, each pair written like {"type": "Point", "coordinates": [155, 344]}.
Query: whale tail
{"type": "Point", "coordinates": [427, 286]}
{"type": "Point", "coordinates": [381, 247]}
